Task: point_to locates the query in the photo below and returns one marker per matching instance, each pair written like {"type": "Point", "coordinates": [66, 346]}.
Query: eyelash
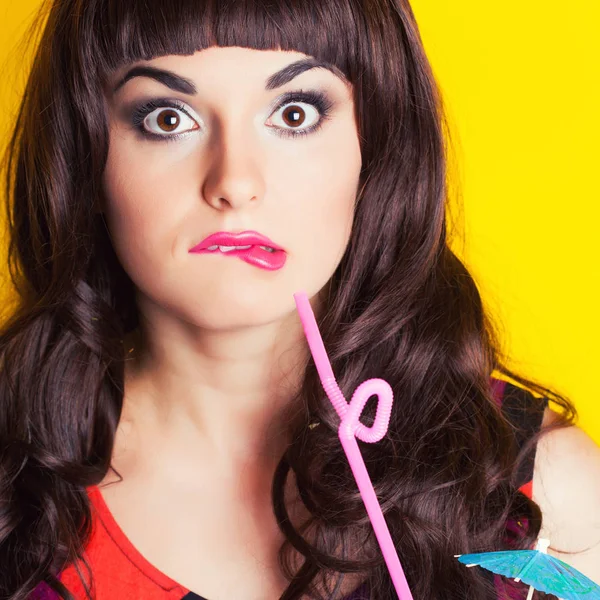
{"type": "Point", "coordinates": [319, 100]}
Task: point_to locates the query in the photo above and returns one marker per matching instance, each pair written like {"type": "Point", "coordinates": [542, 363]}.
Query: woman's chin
{"type": "Point", "coordinates": [234, 313]}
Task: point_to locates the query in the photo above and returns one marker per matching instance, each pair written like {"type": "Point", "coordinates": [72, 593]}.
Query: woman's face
{"type": "Point", "coordinates": [219, 152]}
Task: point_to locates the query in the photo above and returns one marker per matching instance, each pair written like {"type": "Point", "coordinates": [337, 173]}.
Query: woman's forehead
{"type": "Point", "coordinates": [275, 68]}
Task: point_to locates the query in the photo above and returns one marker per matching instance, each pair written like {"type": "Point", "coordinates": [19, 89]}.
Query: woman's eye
{"type": "Point", "coordinates": [295, 120]}
{"type": "Point", "coordinates": [295, 116]}
{"type": "Point", "coordinates": [168, 121]}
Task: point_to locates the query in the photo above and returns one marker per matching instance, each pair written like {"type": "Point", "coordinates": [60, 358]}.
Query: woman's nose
{"type": "Point", "coordinates": [236, 174]}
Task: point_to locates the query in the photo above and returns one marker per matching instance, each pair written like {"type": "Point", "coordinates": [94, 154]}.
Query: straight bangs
{"type": "Point", "coordinates": [121, 33]}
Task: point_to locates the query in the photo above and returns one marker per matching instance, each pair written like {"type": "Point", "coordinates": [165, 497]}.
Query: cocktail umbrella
{"type": "Point", "coordinates": [351, 428]}
{"type": "Point", "coordinates": [537, 569]}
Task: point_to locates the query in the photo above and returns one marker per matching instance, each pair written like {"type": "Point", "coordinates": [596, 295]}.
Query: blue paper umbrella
{"type": "Point", "coordinates": [537, 569]}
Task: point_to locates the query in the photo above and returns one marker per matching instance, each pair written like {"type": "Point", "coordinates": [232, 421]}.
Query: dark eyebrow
{"type": "Point", "coordinates": [185, 86]}
{"type": "Point", "coordinates": [291, 71]}
{"type": "Point", "coordinates": [168, 78]}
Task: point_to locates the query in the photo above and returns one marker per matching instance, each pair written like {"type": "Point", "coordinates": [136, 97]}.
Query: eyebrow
{"type": "Point", "coordinates": [186, 86]}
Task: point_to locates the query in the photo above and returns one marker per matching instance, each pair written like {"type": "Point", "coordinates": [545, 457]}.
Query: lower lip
{"type": "Point", "coordinates": [270, 261]}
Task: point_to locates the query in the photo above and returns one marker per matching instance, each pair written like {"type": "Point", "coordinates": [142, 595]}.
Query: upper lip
{"type": "Point", "coordinates": [244, 238]}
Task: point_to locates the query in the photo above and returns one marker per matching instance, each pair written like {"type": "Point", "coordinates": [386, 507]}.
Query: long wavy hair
{"type": "Point", "coordinates": [401, 306]}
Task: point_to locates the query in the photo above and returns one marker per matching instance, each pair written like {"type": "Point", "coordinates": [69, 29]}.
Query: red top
{"type": "Point", "coordinates": [120, 571]}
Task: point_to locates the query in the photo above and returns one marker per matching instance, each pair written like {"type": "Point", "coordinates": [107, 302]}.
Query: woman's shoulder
{"type": "Point", "coordinates": [564, 468]}
{"type": "Point", "coordinates": [566, 486]}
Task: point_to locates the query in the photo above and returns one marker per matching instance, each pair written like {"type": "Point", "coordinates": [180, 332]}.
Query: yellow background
{"type": "Point", "coordinates": [521, 83]}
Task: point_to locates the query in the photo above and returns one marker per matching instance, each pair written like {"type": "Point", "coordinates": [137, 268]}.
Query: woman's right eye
{"type": "Point", "coordinates": [164, 120]}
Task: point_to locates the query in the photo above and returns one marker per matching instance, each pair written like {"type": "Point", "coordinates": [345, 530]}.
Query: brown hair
{"type": "Point", "coordinates": [401, 306]}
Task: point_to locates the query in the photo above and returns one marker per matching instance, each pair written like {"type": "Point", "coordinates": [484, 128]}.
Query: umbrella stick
{"type": "Point", "coordinates": [530, 594]}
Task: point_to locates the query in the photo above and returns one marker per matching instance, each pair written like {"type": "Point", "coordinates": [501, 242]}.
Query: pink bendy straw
{"type": "Point", "coordinates": [351, 428]}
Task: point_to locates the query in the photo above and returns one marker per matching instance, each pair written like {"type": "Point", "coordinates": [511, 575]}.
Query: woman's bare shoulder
{"type": "Point", "coordinates": [566, 485]}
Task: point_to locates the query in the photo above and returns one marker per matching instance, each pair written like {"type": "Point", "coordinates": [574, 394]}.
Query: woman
{"type": "Point", "coordinates": [164, 433]}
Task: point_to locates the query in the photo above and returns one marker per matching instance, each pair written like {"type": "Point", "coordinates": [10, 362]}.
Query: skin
{"type": "Point", "coordinates": [566, 485]}
{"type": "Point", "coordinates": [221, 349]}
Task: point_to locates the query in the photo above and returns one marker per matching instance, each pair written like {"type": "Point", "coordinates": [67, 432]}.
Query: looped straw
{"type": "Point", "coordinates": [351, 428]}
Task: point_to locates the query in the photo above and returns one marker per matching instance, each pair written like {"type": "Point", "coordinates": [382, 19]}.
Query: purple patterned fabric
{"type": "Point", "coordinates": [43, 592]}
{"type": "Point", "coordinates": [508, 590]}
{"type": "Point", "coordinates": [498, 386]}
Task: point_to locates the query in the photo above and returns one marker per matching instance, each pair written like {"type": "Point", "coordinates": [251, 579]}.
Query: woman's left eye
{"type": "Point", "coordinates": [294, 115]}
{"type": "Point", "coordinates": [166, 120]}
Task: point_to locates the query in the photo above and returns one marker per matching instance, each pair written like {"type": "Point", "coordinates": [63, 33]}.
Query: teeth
{"type": "Point", "coordinates": [230, 248]}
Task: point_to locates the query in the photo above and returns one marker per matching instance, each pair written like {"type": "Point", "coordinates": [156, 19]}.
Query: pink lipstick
{"type": "Point", "coordinates": [252, 247]}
